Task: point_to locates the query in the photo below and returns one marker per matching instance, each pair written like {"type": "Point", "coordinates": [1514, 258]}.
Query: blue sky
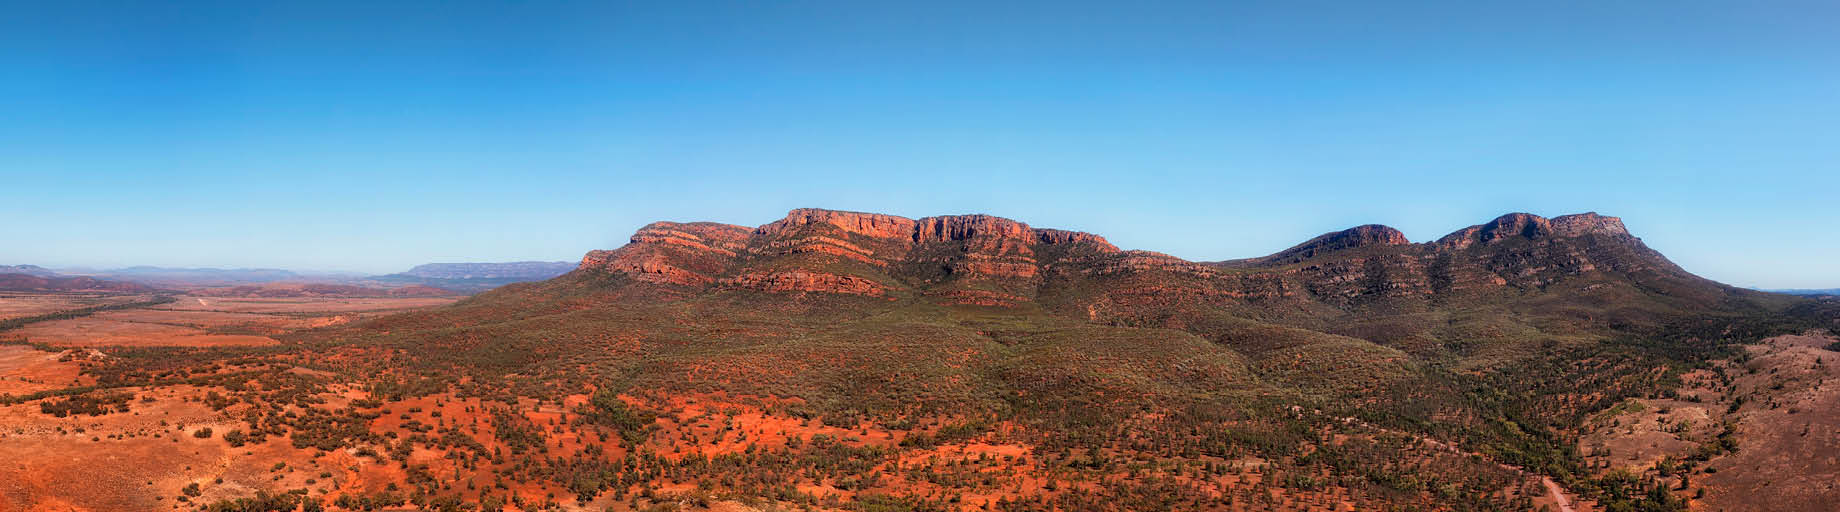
{"type": "Point", "coordinates": [349, 136]}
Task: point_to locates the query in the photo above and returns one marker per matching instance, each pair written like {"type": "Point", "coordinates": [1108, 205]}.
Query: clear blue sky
{"type": "Point", "coordinates": [349, 136]}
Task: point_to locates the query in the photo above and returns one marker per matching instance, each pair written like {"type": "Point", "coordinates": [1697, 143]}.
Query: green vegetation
{"type": "Point", "coordinates": [93, 403]}
{"type": "Point", "coordinates": [605, 408]}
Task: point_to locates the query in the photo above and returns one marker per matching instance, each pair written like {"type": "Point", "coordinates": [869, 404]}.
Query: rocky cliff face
{"type": "Point", "coordinates": [981, 259]}
{"type": "Point", "coordinates": [673, 253]}
{"type": "Point", "coordinates": [828, 251]}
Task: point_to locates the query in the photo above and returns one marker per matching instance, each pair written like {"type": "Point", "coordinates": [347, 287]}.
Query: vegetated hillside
{"type": "Point", "coordinates": [35, 283]}
{"type": "Point", "coordinates": [476, 277]}
{"type": "Point", "coordinates": [1498, 339]}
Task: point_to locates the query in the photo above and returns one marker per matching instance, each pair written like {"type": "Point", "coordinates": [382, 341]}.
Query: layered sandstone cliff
{"type": "Point", "coordinates": [814, 250]}
{"type": "Point", "coordinates": [987, 260]}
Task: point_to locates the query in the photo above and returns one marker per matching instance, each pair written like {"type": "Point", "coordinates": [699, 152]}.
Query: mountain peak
{"type": "Point", "coordinates": [1359, 236]}
{"type": "Point", "coordinates": [1580, 224]}
{"type": "Point", "coordinates": [1530, 226]}
{"type": "Point", "coordinates": [873, 225]}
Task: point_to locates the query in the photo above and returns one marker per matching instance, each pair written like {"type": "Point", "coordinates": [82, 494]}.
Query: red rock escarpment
{"type": "Point", "coordinates": [828, 251]}
{"type": "Point", "coordinates": [959, 246]}
{"type": "Point", "coordinates": [873, 225]}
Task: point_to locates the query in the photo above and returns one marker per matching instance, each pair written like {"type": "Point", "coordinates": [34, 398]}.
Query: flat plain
{"type": "Point", "coordinates": [164, 442]}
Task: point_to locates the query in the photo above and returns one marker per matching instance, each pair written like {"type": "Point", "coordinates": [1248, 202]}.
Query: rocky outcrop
{"type": "Point", "coordinates": [1530, 227]}
{"type": "Point", "coordinates": [928, 250]}
{"type": "Point", "coordinates": [1522, 225]}
{"type": "Point", "coordinates": [1064, 238]}
{"type": "Point", "coordinates": [673, 253]}
{"type": "Point", "coordinates": [1132, 262]}
{"type": "Point", "coordinates": [977, 298]}
{"type": "Point", "coordinates": [873, 225]}
{"type": "Point", "coordinates": [804, 281]}
{"type": "Point", "coordinates": [976, 247]}
{"type": "Point", "coordinates": [709, 237]}
{"type": "Point", "coordinates": [967, 227]}
{"type": "Point", "coordinates": [1589, 223]}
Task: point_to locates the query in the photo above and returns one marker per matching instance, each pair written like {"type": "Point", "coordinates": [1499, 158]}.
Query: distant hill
{"type": "Point", "coordinates": [476, 277]}
{"type": "Point", "coordinates": [17, 282]}
{"type": "Point", "coordinates": [32, 270]}
{"type": "Point", "coordinates": [198, 276]}
{"type": "Point", "coordinates": [1827, 291]}
{"type": "Point", "coordinates": [535, 270]}
{"type": "Point", "coordinates": [294, 290]}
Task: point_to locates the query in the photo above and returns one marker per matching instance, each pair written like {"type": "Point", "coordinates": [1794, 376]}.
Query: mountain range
{"type": "Point", "coordinates": [1806, 291]}
{"type": "Point", "coordinates": [476, 277]}
{"type": "Point", "coordinates": [1502, 338]}
{"type": "Point", "coordinates": [21, 282]}
{"type": "Point", "coordinates": [31, 270]}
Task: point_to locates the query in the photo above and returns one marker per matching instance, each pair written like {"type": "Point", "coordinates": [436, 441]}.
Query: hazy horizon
{"type": "Point", "coordinates": [1415, 238]}
{"type": "Point", "coordinates": [343, 136]}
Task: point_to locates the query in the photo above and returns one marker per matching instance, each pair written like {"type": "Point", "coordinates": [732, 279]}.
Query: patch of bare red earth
{"type": "Point", "coordinates": [136, 460]}
{"type": "Point", "coordinates": [25, 370]}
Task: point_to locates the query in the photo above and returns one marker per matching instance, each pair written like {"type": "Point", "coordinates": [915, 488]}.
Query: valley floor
{"type": "Point", "coordinates": [184, 404]}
